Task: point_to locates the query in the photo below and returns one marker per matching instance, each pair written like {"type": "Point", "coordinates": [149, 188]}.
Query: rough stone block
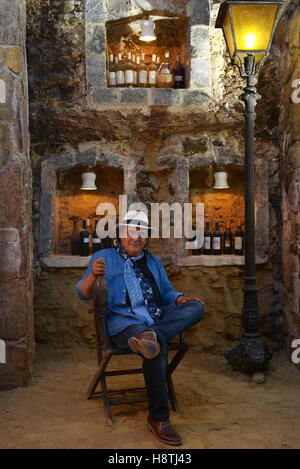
{"type": "Point", "coordinates": [10, 259]}
{"type": "Point", "coordinates": [45, 223]}
{"type": "Point", "coordinates": [193, 97]}
{"type": "Point", "coordinates": [6, 108]}
{"type": "Point", "coordinates": [103, 95]}
{"type": "Point", "coordinates": [2, 92]}
{"type": "Point", "coordinates": [10, 31]}
{"type": "Point", "coordinates": [200, 42]}
{"type": "Point", "coordinates": [8, 235]}
{"type": "Point", "coordinates": [111, 159]}
{"type": "Point", "coordinates": [48, 181]}
{"type": "Point", "coordinates": [87, 155]}
{"type": "Point", "coordinates": [12, 199]}
{"type": "Point", "coordinates": [10, 55]}
{"type": "Point", "coordinates": [13, 312]}
{"type": "Point", "coordinates": [5, 144]}
{"type": "Point", "coordinates": [198, 161]}
{"type": "Point", "coordinates": [164, 96]}
{"type": "Point", "coordinates": [222, 156]}
{"type": "Point", "coordinates": [117, 9]}
{"type": "Point", "coordinates": [95, 38]}
{"type": "Point", "coordinates": [94, 11]}
{"type": "Point", "coordinates": [261, 208]}
{"type": "Point", "coordinates": [96, 70]}
{"type": "Point", "coordinates": [63, 161]}
{"type": "Point", "coordinates": [133, 95]}
{"type": "Point", "coordinates": [200, 13]}
{"type": "Point", "coordinates": [183, 180]}
{"type": "Point", "coordinates": [200, 73]}
{"type": "Point", "coordinates": [129, 181]}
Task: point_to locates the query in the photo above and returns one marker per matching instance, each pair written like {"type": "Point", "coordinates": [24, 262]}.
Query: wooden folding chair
{"type": "Point", "coordinates": [105, 351]}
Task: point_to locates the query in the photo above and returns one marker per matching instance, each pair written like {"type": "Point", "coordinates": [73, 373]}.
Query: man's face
{"type": "Point", "coordinates": [134, 241]}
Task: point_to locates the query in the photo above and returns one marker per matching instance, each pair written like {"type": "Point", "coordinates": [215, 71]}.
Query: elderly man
{"type": "Point", "coordinates": [145, 311]}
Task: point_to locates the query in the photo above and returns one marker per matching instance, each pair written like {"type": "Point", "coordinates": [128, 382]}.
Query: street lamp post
{"type": "Point", "coordinates": [249, 27]}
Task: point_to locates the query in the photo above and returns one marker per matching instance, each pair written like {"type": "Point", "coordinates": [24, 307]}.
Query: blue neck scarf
{"type": "Point", "coordinates": [139, 288]}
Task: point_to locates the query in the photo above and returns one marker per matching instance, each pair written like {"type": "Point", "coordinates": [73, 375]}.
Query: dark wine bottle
{"type": "Point", "coordinates": [84, 240]}
{"type": "Point", "coordinates": [75, 240]}
{"type": "Point", "coordinates": [179, 74]}
{"type": "Point", "coordinates": [227, 247]}
{"type": "Point", "coordinates": [217, 241]}
{"type": "Point", "coordinates": [207, 240]}
{"type": "Point", "coordinates": [96, 240]}
{"type": "Point", "coordinates": [239, 240]}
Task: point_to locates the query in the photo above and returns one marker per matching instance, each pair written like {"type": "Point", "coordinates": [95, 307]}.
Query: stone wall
{"type": "Point", "coordinates": [16, 283]}
{"type": "Point", "coordinates": [289, 35]}
{"type": "Point", "coordinates": [160, 136]}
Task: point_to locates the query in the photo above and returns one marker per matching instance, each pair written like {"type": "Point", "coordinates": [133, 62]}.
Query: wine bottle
{"type": "Point", "coordinates": [84, 240]}
{"type": "Point", "coordinates": [142, 73]}
{"type": "Point", "coordinates": [179, 74]}
{"type": "Point", "coordinates": [120, 78]}
{"type": "Point", "coordinates": [207, 240]}
{"type": "Point", "coordinates": [227, 247]}
{"type": "Point", "coordinates": [111, 72]}
{"type": "Point", "coordinates": [152, 72]}
{"type": "Point", "coordinates": [75, 240]}
{"type": "Point", "coordinates": [128, 71]}
{"type": "Point", "coordinates": [217, 241]}
{"type": "Point", "coordinates": [134, 71]}
{"type": "Point", "coordinates": [165, 78]}
{"type": "Point", "coordinates": [96, 239]}
{"type": "Point", "coordinates": [239, 240]}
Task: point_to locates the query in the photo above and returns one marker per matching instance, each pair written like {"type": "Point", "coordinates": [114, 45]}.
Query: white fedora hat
{"type": "Point", "coordinates": [137, 219]}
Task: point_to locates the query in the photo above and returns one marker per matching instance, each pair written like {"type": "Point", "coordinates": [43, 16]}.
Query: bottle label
{"type": "Point", "coordinates": [238, 242]}
{"type": "Point", "coordinates": [129, 76]}
{"type": "Point", "coordinates": [112, 78]}
{"type": "Point", "coordinates": [227, 243]}
{"type": "Point", "coordinates": [120, 77]}
{"type": "Point", "coordinates": [178, 78]}
{"type": "Point", "coordinates": [97, 240]}
{"type": "Point", "coordinates": [135, 77]}
{"type": "Point", "coordinates": [152, 77]}
{"type": "Point", "coordinates": [207, 242]}
{"type": "Point", "coordinates": [143, 76]}
{"type": "Point", "coordinates": [86, 240]}
{"type": "Point", "coordinates": [216, 243]}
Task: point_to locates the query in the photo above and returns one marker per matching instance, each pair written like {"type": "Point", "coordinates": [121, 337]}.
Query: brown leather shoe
{"type": "Point", "coordinates": [145, 343]}
{"type": "Point", "coordinates": [164, 431]}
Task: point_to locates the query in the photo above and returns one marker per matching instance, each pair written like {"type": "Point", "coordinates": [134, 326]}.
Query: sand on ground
{"type": "Point", "coordinates": [220, 408]}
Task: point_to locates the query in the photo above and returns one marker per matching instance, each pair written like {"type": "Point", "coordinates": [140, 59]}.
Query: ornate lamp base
{"type": "Point", "coordinates": [250, 355]}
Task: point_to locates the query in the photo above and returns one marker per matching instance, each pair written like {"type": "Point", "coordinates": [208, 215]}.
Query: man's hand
{"type": "Point", "coordinates": [98, 267]}
{"type": "Point", "coordinates": [180, 300]}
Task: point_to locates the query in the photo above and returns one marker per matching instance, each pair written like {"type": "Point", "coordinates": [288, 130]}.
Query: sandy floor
{"type": "Point", "coordinates": [220, 408]}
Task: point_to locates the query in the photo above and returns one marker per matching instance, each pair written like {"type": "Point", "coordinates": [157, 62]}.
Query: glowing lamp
{"type": "Point", "coordinates": [88, 181]}
{"type": "Point", "coordinates": [147, 34]}
{"type": "Point", "coordinates": [248, 27]}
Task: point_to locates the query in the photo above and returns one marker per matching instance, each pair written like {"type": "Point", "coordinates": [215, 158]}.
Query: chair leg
{"type": "Point", "coordinates": [177, 359]}
{"type": "Point", "coordinates": [98, 376]}
{"type": "Point", "coordinates": [106, 401]}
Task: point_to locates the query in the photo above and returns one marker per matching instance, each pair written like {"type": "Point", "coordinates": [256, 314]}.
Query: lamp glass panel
{"type": "Point", "coordinates": [228, 34]}
{"type": "Point", "coordinates": [253, 25]}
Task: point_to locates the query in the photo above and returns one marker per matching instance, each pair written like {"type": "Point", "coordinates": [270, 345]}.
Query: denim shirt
{"type": "Point", "coordinates": [121, 315]}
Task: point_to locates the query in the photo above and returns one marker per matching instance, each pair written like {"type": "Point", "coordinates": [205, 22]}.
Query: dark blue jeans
{"type": "Point", "coordinates": [173, 320]}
